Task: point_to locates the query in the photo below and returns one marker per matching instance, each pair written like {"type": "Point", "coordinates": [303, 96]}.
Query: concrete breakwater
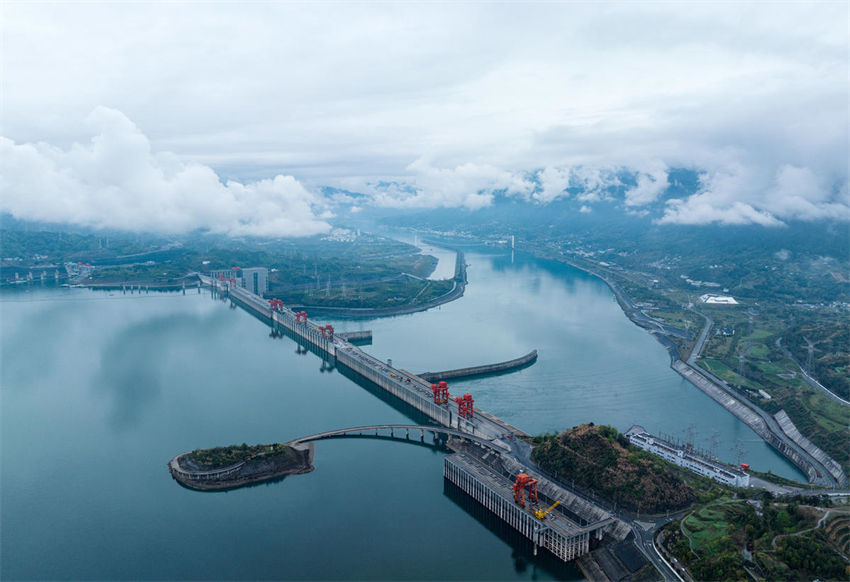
{"type": "Point", "coordinates": [487, 369]}
{"type": "Point", "coordinates": [296, 459]}
{"type": "Point", "coordinates": [356, 337]}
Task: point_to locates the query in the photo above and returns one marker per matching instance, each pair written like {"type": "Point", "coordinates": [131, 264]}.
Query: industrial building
{"type": "Point", "coordinates": [687, 458]}
{"type": "Point", "coordinates": [254, 279]}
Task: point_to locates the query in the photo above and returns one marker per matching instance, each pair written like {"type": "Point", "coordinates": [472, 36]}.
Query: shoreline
{"type": "Point", "coordinates": [754, 417]}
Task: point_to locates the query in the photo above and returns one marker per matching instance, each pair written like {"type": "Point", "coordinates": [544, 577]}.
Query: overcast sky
{"type": "Point", "coordinates": [229, 116]}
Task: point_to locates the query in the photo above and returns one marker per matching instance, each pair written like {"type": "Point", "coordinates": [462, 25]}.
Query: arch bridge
{"type": "Point", "coordinates": [389, 431]}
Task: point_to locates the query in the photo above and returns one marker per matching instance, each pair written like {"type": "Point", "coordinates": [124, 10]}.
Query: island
{"type": "Point", "coordinates": [239, 465]}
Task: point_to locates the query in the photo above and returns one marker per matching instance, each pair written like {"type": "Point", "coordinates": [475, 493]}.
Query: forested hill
{"type": "Point", "coordinates": [600, 459]}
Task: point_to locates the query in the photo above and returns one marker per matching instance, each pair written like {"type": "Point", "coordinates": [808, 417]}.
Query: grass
{"type": "Point", "coordinates": [760, 333]}
{"type": "Point", "coordinates": [830, 415]}
{"type": "Point", "coordinates": [710, 523]}
{"type": "Point", "coordinates": [224, 456]}
{"type": "Point", "coordinates": [680, 319]}
{"type": "Point", "coordinates": [721, 370]}
{"type": "Point", "coordinates": [756, 350]}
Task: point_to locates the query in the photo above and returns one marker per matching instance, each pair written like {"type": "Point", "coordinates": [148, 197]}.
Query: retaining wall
{"type": "Point", "coordinates": [789, 429]}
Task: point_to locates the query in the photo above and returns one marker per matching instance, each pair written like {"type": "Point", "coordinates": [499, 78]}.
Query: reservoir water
{"type": "Point", "coordinates": [100, 389]}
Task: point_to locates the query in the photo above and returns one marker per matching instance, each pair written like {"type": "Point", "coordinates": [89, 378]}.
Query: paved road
{"type": "Point", "coordinates": [702, 337]}
{"type": "Point", "coordinates": [645, 542]}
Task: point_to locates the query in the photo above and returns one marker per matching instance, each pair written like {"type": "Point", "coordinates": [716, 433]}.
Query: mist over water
{"type": "Point", "coordinates": [101, 389]}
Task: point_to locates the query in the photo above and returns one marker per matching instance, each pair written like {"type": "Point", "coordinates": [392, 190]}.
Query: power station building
{"type": "Point", "coordinates": [687, 458]}
{"type": "Point", "coordinates": [254, 279]}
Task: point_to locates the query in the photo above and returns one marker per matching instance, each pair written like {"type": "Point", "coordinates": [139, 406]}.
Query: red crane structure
{"type": "Point", "coordinates": [464, 405]}
{"type": "Point", "coordinates": [327, 330]}
{"type": "Point", "coordinates": [523, 482]}
{"type": "Point", "coordinates": [276, 304]}
{"type": "Point", "coordinates": [301, 317]}
{"type": "Point", "coordinates": [441, 392]}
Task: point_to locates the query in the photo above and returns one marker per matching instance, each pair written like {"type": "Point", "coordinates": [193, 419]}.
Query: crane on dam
{"type": "Point", "coordinates": [541, 514]}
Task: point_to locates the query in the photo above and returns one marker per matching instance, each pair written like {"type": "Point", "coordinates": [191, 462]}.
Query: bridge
{"type": "Point", "coordinates": [374, 430]}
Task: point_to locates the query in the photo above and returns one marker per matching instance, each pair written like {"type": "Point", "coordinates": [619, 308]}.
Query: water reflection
{"type": "Point", "coordinates": [544, 565]}
{"type": "Point", "coordinates": [135, 367]}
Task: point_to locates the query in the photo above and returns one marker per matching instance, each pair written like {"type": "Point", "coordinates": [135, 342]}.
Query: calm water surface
{"type": "Point", "coordinates": [100, 390]}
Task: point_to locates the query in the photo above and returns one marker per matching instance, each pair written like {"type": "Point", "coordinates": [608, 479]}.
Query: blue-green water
{"type": "Point", "coordinates": [100, 390]}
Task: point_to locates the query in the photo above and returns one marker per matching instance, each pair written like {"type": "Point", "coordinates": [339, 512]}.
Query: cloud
{"type": "Point", "coordinates": [650, 185]}
{"type": "Point", "coordinates": [426, 104]}
{"type": "Point", "coordinates": [554, 182]}
{"type": "Point", "coordinates": [471, 186]}
{"type": "Point", "coordinates": [698, 209]}
{"type": "Point", "coordinates": [116, 181]}
{"type": "Point", "coordinates": [740, 194]}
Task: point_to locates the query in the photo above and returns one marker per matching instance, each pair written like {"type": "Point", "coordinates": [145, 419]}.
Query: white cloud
{"type": "Point", "coordinates": [739, 194]}
{"type": "Point", "coordinates": [553, 183]}
{"type": "Point", "coordinates": [698, 209]}
{"type": "Point", "coordinates": [650, 185]}
{"type": "Point", "coordinates": [469, 185]}
{"type": "Point", "coordinates": [799, 193]}
{"type": "Point", "coordinates": [116, 181]}
{"type": "Point", "coordinates": [752, 94]}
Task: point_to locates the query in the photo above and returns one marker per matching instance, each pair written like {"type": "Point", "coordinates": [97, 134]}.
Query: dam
{"type": "Point", "coordinates": [488, 457]}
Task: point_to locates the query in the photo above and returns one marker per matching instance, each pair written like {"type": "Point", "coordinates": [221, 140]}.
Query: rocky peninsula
{"type": "Point", "coordinates": [239, 465]}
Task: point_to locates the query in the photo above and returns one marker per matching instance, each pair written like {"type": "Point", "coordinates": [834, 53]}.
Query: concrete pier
{"type": "Point", "coordinates": [357, 337]}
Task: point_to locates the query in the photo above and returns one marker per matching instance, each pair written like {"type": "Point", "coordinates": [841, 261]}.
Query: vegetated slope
{"type": "Point", "coordinates": [830, 345]}
{"type": "Point", "coordinates": [600, 459]}
{"type": "Point", "coordinates": [218, 457]}
{"type": "Point", "coordinates": [243, 465]}
{"type": "Point", "coordinates": [732, 539]}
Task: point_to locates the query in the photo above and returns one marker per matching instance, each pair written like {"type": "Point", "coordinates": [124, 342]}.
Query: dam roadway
{"type": "Point", "coordinates": [404, 385]}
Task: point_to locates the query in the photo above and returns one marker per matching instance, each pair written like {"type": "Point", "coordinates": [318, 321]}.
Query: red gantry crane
{"type": "Point", "coordinates": [523, 482]}
{"type": "Point", "coordinates": [464, 405]}
{"type": "Point", "coordinates": [441, 392]}
{"type": "Point", "coordinates": [276, 304]}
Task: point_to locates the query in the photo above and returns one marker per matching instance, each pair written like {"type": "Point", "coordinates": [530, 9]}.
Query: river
{"type": "Point", "coordinates": [100, 389]}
